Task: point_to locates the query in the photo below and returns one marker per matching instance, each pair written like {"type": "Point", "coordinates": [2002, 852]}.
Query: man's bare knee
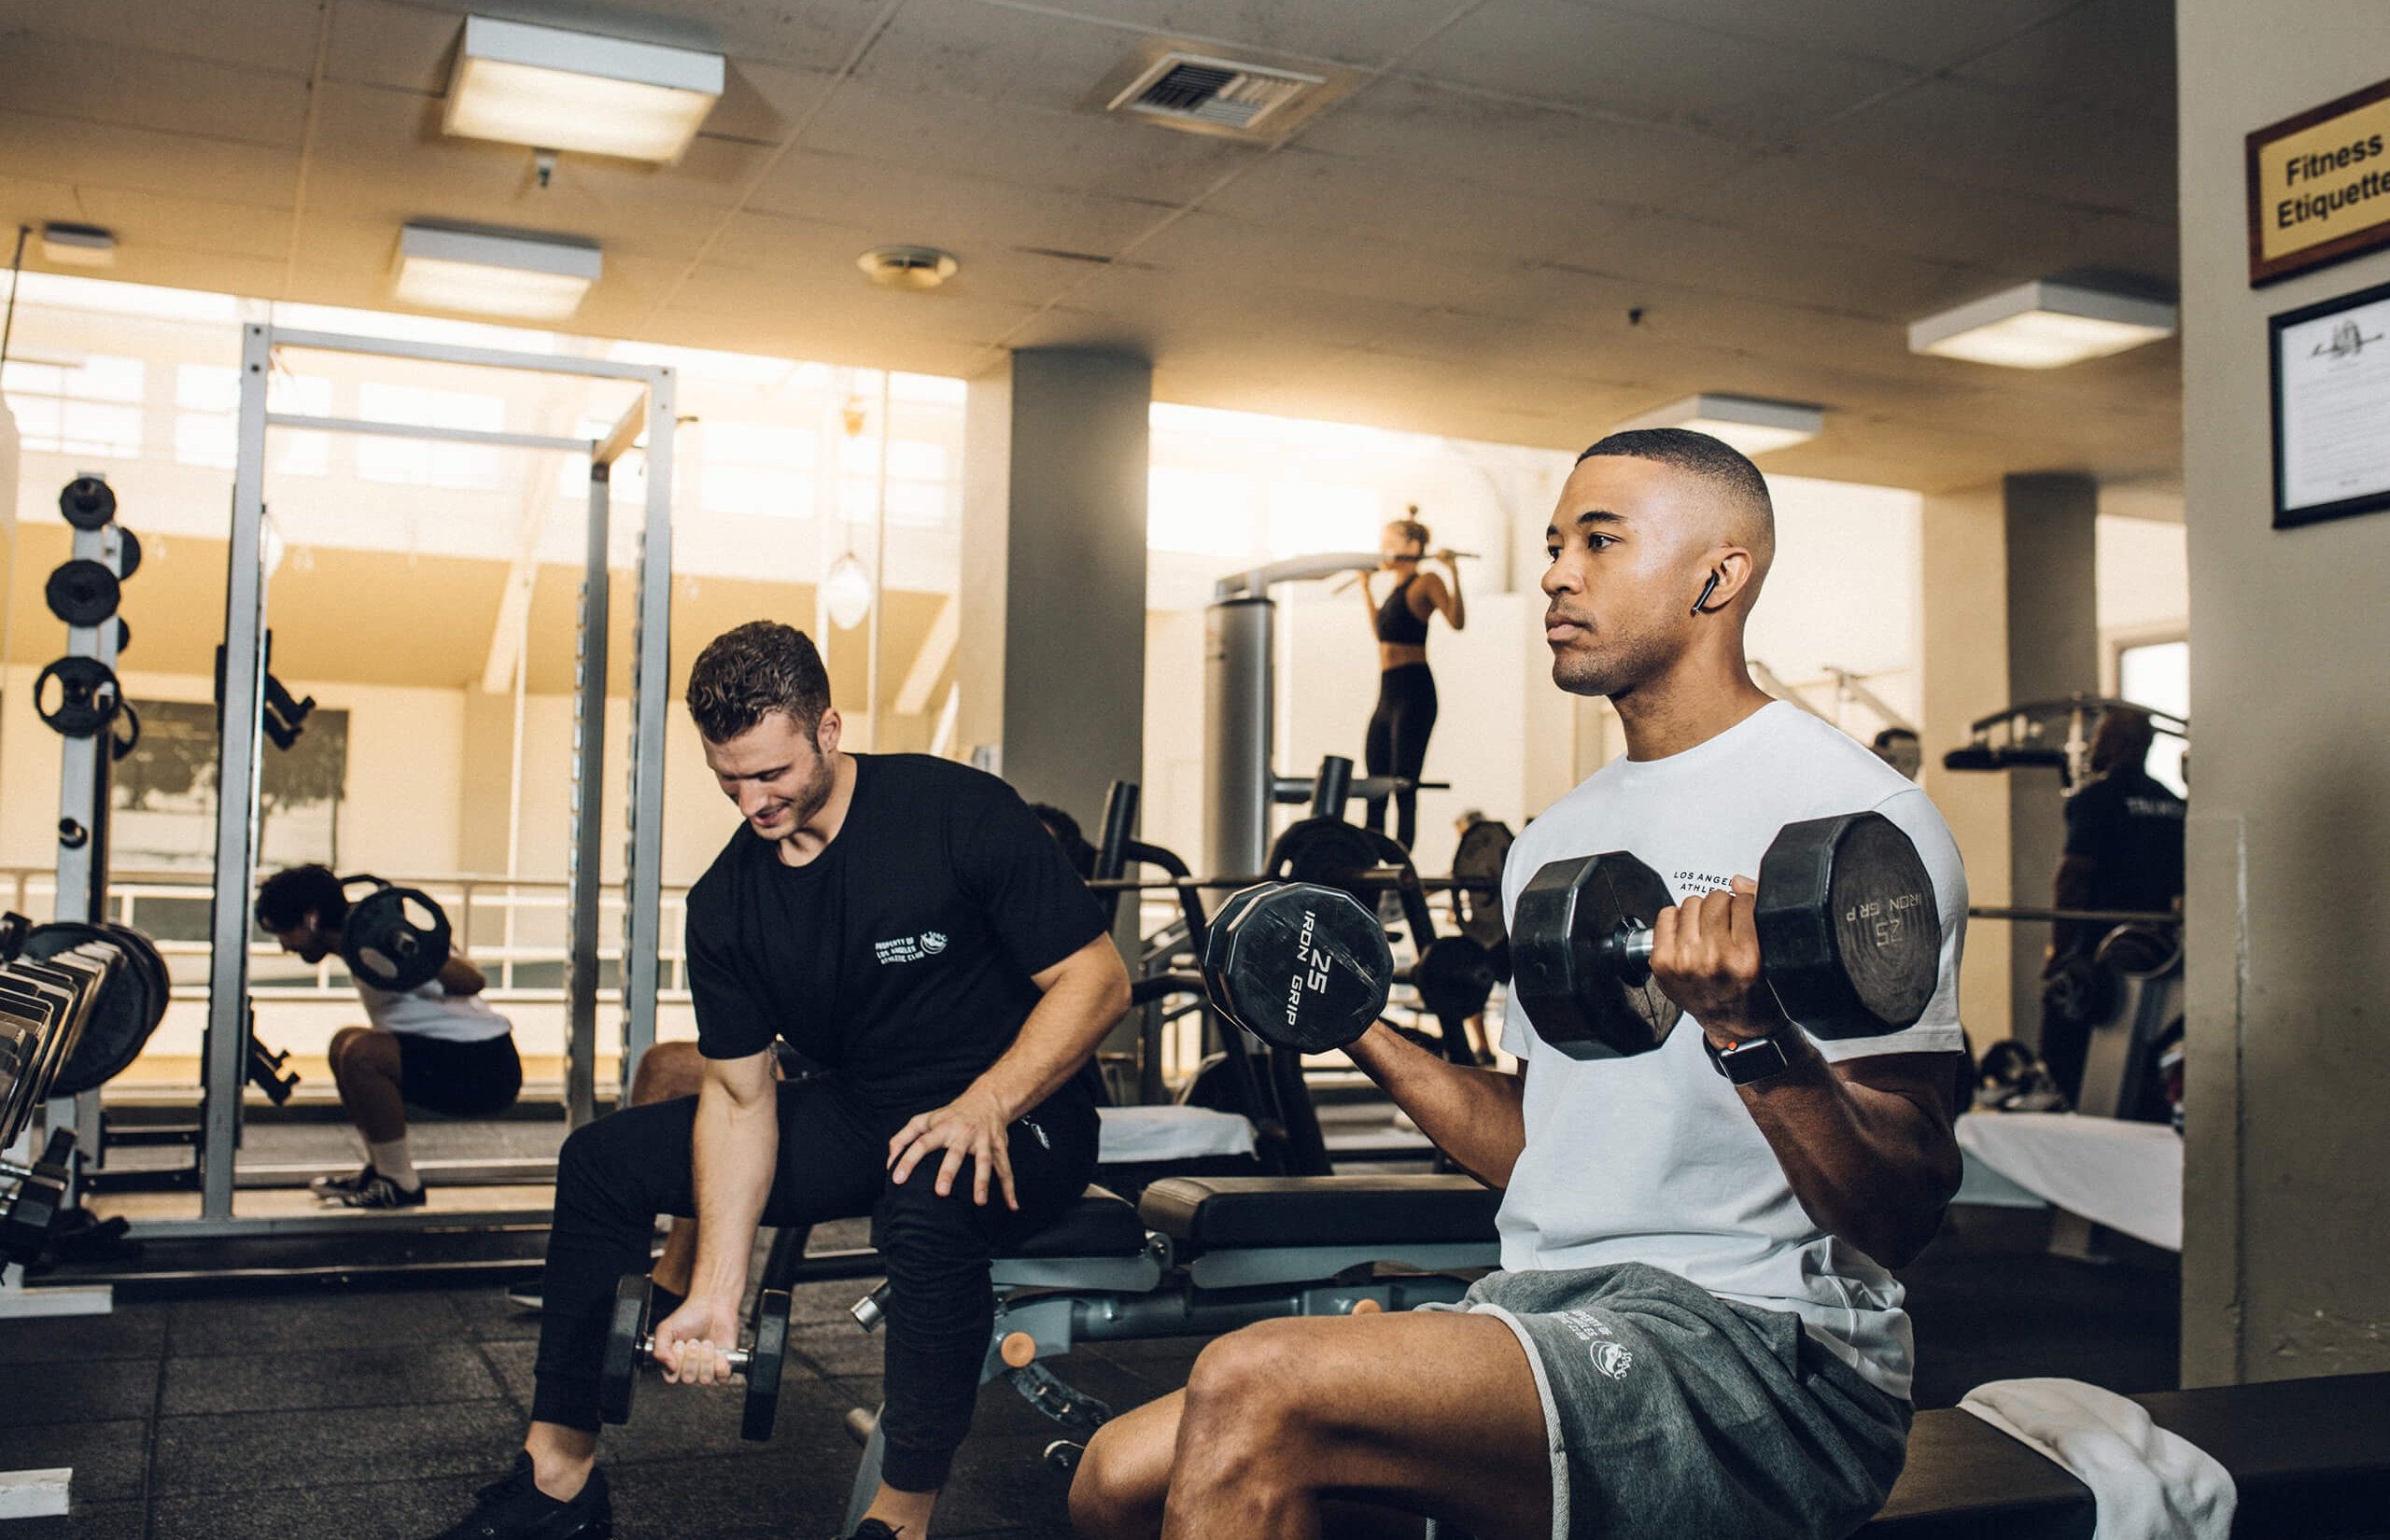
{"type": "Point", "coordinates": [1247, 1387]}
{"type": "Point", "coordinates": [1122, 1483]}
{"type": "Point", "coordinates": [666, 1070]}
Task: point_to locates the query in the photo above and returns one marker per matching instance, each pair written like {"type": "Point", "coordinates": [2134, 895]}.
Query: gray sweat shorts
{"type": "Point", "coordinates": [1670, 1412]}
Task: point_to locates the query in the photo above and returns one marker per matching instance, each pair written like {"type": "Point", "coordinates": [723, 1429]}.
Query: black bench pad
{"type": "Point", "coordinates": [1220, 1211]}
{"type": "Point", "coordinates": [1099, 1223]}
{"type": "Point", "coordinates": [2309, 1458]}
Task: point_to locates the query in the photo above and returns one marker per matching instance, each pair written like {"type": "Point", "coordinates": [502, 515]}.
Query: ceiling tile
{"type": "Point", "coordinates": [961, 213]}
{"type": "Point", "coordinates": [765, 102]}
{"type": "Point", "coordinates": [968, 49]}
{"type": "Point", "coordinates": [818, 35]}
{"type": "Point", "coordinates": [59, 149]}
{"type": "Point", "coordinates": [1924, 36]}
{"type": "Point", "coordinates": [277, 36]}
{"type": "Point", "coordinates": [1848, 277]}
{"type": "Point", "coordinates": [144, 88]}
{"type": "Point", "coordinates": [1353, 34]}
{"type": "Point", "coordinates": [2110, 55]}
{"type": "Point", "coordinates": [1650, 69]}
{"type": "Point", "coordinates": [200, 225]}
{"type": "Point", "coordinates": [387, 43]}
{"type": "Point", "coordinates": [1211, 247]}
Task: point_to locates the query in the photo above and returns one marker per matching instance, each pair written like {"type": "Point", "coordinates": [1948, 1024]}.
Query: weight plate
{"type": "Point", "coordinates": [145, 952]}
{"type": "Point", "coordinates": [87, 502]}
{"type": "Point", "coordinates": [395, 939]}
{"type": "Point", "coordinates": [1454, 977]}
{"type": "Point", "coordinates": [1479, 861]}
{"type": "Point", "coordinates": [125, 1012]}
{"type": "Point", "coordinates": [88, 697]}
{"type": "Point", "coordinates": [129, 558]}
{"type": "Point", "coordinates": [618, 1369]}
{"type": "Point", "coordinates": [1573, 995]}
{"type": "Point", "coordinates": [82, 592]}
{"type": "Point", "coordinates": [2142, 951]}
{"type": "Point", "coordinates": [764, 1361]}
{"type": "Point", "coordinates": [125, 735]}
{"type": "Point", "coordinates": [1326, 853]}
{"type": "Point", "coordinates": [1300, 966]}
{"type": "Point", "coordinates": [123, 634]}
{"type": "Point", "coordinates": [1848, 930]}
{"type": "Point", "coordinates": [42, 1011]}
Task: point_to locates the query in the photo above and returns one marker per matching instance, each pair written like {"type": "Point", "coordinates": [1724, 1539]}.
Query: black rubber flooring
{"type": "Point", "coordinates": [372, 1414]}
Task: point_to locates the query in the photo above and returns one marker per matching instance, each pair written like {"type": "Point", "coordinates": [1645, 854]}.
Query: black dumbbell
{"type": "Point", "coordinates": [1307, 968]}
{"type": "Point", "coordinates": [1849, 938]}
{"type": "Point", "coordinates": [630, 1343]}
{"type": "Point", "coordinates": [395, 939]}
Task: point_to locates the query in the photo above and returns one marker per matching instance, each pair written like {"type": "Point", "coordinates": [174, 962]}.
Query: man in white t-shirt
{"type": "Point", "coordinates": [438, 1046]}
{"type": "Point", "coordinates": [1694, 1332]}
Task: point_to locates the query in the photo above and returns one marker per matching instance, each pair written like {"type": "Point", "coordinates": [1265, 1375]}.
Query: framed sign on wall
{"type": "Point", "coordinates": [2331, 408]}
{"type": "Point", "coordinates": [2319, 186]}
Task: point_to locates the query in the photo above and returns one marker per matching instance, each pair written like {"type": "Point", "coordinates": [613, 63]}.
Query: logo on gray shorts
{"type": "Point", "coordinates": [1612, 1360]}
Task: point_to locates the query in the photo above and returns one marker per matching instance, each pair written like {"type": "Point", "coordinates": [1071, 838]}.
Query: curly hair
{"type": "Point", "coordinates": [286, 898]}
{"type": "Point", "coordinates": [755, 668]}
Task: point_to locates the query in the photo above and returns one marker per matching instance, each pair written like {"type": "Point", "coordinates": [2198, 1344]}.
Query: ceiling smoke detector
{"type": "Point", "coordinates": [1178, 88]}
{"type": "Point", "coordinates": [908, 267]}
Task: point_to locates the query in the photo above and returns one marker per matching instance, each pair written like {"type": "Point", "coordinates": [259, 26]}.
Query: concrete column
{"type": "Point", "coordinates": [2052, 559]}
{"type": "Point", "coordinates": [1962, 648]}
{"type": "Point", "coordinates": [2289, 946]}
{"type": "Point", "coordinates": [1052, 662]}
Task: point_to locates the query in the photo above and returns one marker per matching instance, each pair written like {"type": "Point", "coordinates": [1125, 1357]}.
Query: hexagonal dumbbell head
{"type": "Point", "coordinates": [1577, 967]}
{"type": "Point", "coordinates": [1848, 930]}
{"type": "Point", "coordinates": [1299, 966]}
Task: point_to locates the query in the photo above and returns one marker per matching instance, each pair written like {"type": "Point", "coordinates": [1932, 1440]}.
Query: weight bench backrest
{"type": "Point", "coordinates": [2310, 1458]}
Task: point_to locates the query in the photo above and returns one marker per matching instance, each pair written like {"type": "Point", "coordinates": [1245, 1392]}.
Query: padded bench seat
{"type": "Point", "coordinates": [1099, 1223]}
{"type": "Point", "coordinates": [1220, 1213]}
{"type": "Point", "coordinates": [2310, 1458]}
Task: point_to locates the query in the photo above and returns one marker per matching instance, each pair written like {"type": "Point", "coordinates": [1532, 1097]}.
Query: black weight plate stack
{"type": "Point", "coordinates": [146, 953]}
{"type": "Point", "coordinates": [395, 939]}
{"type": "Point", "coordinates": [1300, 966]}
{"type": "Point", "coordinates": [88, 697]}
{"type": "Point", "coordinates": [764, 1361]}
{"type": "Point", "coordinates": [123, 1016]}
{"type": "Point", "coordinates": [1849, 931]}
{"type": "Point", "coordinates": [82, 592]}
{"type": "Point", "coordinates": [1572, 994]}
{"type": "Point", "coordinates": [1326, 853]}
{"type": "Point", "coordinates": [1478, 861]}
{"type": "Point", "coordinates": [87, 502]}
{"type": "Point", "coordinates": [618, 1370]}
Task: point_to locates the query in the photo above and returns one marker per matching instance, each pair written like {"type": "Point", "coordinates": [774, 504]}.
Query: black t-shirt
{"type": "Point", "coordinates": [902, 956]}
{"type": "Point", "coordinates": [2129, 827]}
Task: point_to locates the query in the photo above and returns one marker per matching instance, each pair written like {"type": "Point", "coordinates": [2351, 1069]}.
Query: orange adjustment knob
{"type": "Point", "coordinates": [1367, 1307]}
{"type": "Point", "coordinates": [1017, 1349]}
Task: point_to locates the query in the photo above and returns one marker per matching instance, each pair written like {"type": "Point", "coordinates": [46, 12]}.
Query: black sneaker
{"type": "Point", "coordinates": [381, 1192]}
{"type": "Point", "coordinates": [872, 1529]}
{"type": "Point", "coordinates": [513, 1508]}
{"type": "Point", "coordinates": [333, 1187]}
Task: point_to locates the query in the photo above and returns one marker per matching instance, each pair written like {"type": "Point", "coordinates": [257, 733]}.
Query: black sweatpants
{"type": "Point", "coordinates": [1398, 743]}
{"type": "Point", "coordinates": [616, 1175]}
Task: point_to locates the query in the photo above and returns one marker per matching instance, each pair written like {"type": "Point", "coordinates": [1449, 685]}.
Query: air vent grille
{"type": "Point", "coordinates": [1184, 89]}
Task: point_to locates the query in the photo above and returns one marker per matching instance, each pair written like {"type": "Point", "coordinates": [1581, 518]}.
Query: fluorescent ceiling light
{"type": "Point", "coordinates": [490, 273]}
{"type": "Point", "coordinates": [556, 90]}
{"type": "Point", "coordinates": [1746, 422]}
{"type": "Point", "coordinates": [78, 246]}
{"type": "Point", "coordinates": [2043, 325]}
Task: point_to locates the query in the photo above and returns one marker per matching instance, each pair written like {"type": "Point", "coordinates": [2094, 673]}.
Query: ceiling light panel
{"type": "Point", "coordinates": [574, 91]}
{"type": "Point", "coordinates": [490, 273]}
{"type": "Point", "coordinates": [2043, 325]}
{"type": "Point", "coordinates": [1747, 422]}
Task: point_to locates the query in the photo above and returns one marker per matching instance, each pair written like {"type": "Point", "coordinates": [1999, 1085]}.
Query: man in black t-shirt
{"type": "Point", "coordinates": [2124, 851]}
{"type": "Point", "coordinates": [908, 925]}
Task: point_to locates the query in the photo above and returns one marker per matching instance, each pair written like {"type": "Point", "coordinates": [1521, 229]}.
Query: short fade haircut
{"type": "Point", "coordinates": [285, 899]}
{"type": "Point", "coordinates": [1726, 469]}
{"type": "Point", "coordinates": [751, 670]}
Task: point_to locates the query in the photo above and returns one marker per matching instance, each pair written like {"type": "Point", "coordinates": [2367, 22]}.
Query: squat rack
{"type": "Point", "coordinates": [649, 418]}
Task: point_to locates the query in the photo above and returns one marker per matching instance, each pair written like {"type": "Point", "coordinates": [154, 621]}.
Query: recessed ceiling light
{"type": "Point", "coordinates": [491, 273]}
{"type": "Point", "coordinates": [2043, 325]}
{"type": "Point", "coordinates": [78, 246]}
{"type": "Point", "coordinates": [1748, 423]}
{"type": "Point", "coordinates": [908, 267]}
{"type": "Point", "coordinates": [557, 89]}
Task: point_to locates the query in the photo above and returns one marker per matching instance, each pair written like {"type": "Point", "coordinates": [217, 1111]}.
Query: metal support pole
{"type": "Point", "coordinates": [1237, 694]}
{"type": "Point", "coordinates": [82, 892]}
{"type": "Point", "coordinates": [236, 781]}
{"type": "Point", "coordinates": [651, 710]}
{"type": "Point", "coordinates": [584, 879]}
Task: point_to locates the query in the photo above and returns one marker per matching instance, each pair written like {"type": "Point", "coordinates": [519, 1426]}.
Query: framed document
{"type": "Point", "coordinates": [2331, 401]}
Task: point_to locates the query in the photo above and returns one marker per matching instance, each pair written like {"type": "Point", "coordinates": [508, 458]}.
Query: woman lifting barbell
{"type": "Point", "coordinates": [1406, 708]}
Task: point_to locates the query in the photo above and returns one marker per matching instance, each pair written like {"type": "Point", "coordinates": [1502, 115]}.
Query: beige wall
{"type": "Point", "coordinates": [2283, 1206]}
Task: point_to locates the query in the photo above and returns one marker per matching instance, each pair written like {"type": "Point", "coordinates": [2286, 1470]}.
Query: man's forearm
{"type": "Point", "coordinates": [735, 1149]}
{"type": "Point", "coordinates": [1869, 1165]}
{"type": "Point", "coordinates": [1476, 1117]}
{"type": "Point", "coordinates": [1057, 1039]}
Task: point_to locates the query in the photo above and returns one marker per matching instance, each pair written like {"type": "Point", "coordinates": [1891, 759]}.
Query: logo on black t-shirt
{"type": "Point", "coordinates": [929, 943]}
{"type": "Point", "coordinates": [933, 942]}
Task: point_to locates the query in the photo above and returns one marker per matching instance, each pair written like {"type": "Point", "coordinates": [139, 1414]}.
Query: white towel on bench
{"type": "Point", "coordinates": [2149, 1484]}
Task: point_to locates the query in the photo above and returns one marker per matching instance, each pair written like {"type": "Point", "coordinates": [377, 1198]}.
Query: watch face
{"type": "Point", "coordinates": [1754, 1060]}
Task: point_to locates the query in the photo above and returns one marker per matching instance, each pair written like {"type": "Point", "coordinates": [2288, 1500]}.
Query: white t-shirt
{"type": "Point", "coordinates": [1653, 1158]}
{"type": "Point", "coordinates": [429, 1011]}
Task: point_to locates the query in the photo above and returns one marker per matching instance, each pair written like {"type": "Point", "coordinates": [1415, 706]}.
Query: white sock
{"type": "Point", "coordinates": [392, 1160]}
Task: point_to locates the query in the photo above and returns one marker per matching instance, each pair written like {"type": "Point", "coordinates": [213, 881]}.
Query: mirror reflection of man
{"type": "Point", "coordinates": [2124, 851]}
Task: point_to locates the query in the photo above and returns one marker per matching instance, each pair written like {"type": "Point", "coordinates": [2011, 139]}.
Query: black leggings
{"type": "Point", "coordinates": [1398, 743]}
{"type": "Point", "coordinates": [616, 1175]}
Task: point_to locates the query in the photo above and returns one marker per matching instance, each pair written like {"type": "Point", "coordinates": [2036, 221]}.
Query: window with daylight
{"type": "Point", "coordinates": [757, 467]}
{"type": "Point", "coordinates": [428, 462]}
{"type": "Point", "coordinates": [2159, 675]}
{"type": "Point", "coordinates": [1200, 512]}
{"type": "Point", "coordinates": [90, 407]}
{"type": "Point", "coordinates": [919, 485]}
{"type": "Point", "coordinates": [207, 420]}
{"type": "Point", "coordinates": [1307, 516]}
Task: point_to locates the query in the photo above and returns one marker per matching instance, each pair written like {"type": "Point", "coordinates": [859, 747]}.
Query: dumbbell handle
{"type": "Point", "coordinates": [737, 1358]}
{"type": "Point", "coordinates": [1629, 951]}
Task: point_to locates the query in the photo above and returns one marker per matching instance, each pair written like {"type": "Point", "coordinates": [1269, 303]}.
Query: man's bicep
{"type": "Point", "coordinates": [1930, 1082]}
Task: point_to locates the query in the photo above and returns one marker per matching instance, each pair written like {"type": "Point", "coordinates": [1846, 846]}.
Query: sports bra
{"type": "Point", "coordinates": [1397, 624]}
